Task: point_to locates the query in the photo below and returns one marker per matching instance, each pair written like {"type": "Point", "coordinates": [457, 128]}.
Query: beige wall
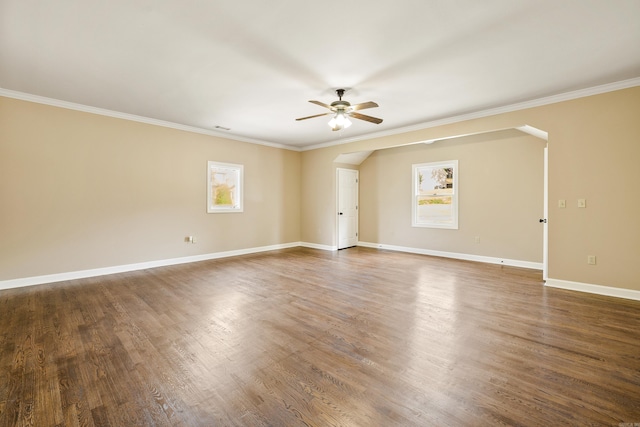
{"type": "Point", "coordinates": [81, 191]}
{"type": "Point", "coordinates": [594, 147]}
{"type": "Point", "coordinates": [500, 197]}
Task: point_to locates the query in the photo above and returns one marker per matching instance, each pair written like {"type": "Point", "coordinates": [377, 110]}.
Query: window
{"type": "Point", "coordinates": [435, 195]}
{"type": "Point", "coordinates": [224, 187]}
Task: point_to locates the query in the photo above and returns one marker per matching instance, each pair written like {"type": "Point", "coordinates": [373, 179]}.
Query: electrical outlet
{"type": "Point", "coordinates": [591, 259]}
{"type": "Point", "coordinates": [189, 239]}
{"type": "Point", "coordinates": [477, 239]}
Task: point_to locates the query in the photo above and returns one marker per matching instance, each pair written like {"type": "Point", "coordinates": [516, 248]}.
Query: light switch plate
{"type": "Point", "coordinates": [582, 203]}
{"type": "Point", "coordinates": [562, 203]}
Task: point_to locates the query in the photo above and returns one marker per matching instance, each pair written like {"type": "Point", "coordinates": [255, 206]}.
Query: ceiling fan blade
{"type": "Point", "coordinates": [366, 118]}
{"type": "Point", "coordinates": [311, 117]}
{"type": "Point", "coordinates": [322, 104]}
{"type": "Point", "coordinates": [363, 105]}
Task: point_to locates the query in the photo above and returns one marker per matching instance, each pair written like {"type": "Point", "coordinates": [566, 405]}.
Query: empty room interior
{"type": "Point", "coordinates": [340, 214]}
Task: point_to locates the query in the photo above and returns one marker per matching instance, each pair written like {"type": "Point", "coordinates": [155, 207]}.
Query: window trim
{"type": "Point", "coordinates": [416, 221]}
{"type": "Point", "coordinates": [212, 168]}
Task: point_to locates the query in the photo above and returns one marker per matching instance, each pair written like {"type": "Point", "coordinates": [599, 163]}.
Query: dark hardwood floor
{"type": "Point", "coordinates": [302, 337]}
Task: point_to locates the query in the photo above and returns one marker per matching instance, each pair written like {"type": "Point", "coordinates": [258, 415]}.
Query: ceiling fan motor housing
{"type": "Point", "coordinates": [340, 105]}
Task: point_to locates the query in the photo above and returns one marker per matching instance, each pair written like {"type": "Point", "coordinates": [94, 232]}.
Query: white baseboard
{"type": "Point", "coordinates": [466, 257]}
{"type": "Point", "coordinates": [594, 289]}
{"type": "Point", "coordinates": [318, 246]}
{"type": "Point", "coordinates": [556, 283]}
{"type": "Point", "coordinates": [72, 275]}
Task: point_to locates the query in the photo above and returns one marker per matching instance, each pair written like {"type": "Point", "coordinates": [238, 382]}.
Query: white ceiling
{"type": "Point", "coordinates": [251, 66]}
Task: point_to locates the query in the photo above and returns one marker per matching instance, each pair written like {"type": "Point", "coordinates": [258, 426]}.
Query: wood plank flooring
{"type": "Point", "coordinates": [302, 337]}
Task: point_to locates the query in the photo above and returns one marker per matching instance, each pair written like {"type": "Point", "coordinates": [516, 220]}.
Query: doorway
{"type": "Point", "coordinates": [356, 158]}
{"type": "Point", "coordinates": [347, 204]}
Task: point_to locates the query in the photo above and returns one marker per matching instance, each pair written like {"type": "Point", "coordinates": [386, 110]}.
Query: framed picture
{"type": "Point", "coordinates": [435, 195]}
{"type": "Point", "coordinates": [224, 187]}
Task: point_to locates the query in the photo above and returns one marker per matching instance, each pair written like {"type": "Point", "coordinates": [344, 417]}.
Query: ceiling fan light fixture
{"type": "Point", "coordinates": [341, 111]}
{"type": "Point", "coordinates": [339, 121]}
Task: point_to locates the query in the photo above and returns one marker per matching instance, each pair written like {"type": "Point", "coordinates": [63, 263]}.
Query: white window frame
{"type": "Point", "coordinates": [419, 217]}
{"type": "Point", "coordinates": [235, 177]}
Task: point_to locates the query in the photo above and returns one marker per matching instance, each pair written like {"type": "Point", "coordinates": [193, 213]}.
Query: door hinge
{"type": "Point", "coordinates": [356, 207]}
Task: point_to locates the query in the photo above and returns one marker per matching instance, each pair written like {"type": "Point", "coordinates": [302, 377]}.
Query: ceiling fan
{"type": "Point", "coordinates": [342, 110]}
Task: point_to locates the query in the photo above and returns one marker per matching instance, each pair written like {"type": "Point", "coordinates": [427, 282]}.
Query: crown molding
{"type": "Point", "coordinates": [135, 118]}
{"type": "Point", "coordinates": [553, 99]}
{"type": "Point", "coordinates": [567, 96]}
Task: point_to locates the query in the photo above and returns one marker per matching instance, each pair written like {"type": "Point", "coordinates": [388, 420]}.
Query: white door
{"type": "Point", "coordinates": [347, 208]}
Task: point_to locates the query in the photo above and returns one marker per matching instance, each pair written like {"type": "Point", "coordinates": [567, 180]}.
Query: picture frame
{"type": "Point", "coordinates": [225, 182]}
